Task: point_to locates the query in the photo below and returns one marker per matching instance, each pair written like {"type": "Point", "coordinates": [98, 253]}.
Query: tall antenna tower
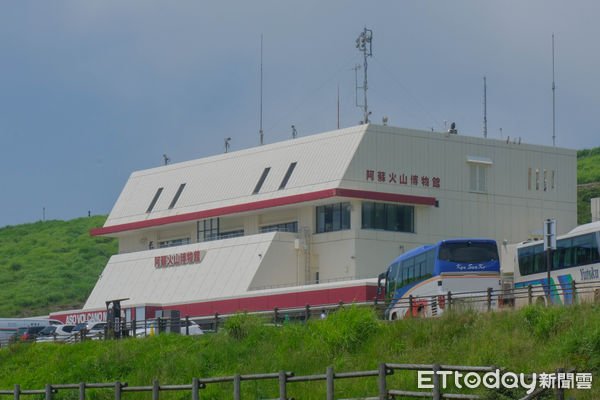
{"type": "Point", "coordinates": [553, 87]}
{"type": "Point", "coordinates": [364, 44]}
{"type": "Point", "coordinates": [261, 91]}
{"type": "Point", "coordinates": [484, 109]}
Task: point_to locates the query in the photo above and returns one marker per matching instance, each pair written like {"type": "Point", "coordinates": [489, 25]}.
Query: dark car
{"type": "Point", "coordinates": [31, 333]}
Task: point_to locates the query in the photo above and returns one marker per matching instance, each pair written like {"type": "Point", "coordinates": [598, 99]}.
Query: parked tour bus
{"type": "Point", "coordinates": [576, 258]}
{"type": "Point", "coordinates": [428, 273]}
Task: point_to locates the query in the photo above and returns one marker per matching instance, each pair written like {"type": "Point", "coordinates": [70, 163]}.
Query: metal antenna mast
{"type": "Point", "coordinates": [261, 89]}
{"type": "Point", "coordinates": [364, 44]}
{"type": "Point", "coordinates": [553, 87]}
{"type": "Point", "coordinates": [484, 110]}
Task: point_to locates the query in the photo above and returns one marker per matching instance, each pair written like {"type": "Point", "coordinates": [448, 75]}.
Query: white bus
{"type": "Point", "coordinates": [576, 258]}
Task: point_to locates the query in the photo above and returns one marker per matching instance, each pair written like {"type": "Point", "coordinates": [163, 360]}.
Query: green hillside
{"type": "Point", "coordinates": [533, 339]}
{"type": "Point", "coordinates": [588, 180]}
{"type": "Point", "coordinates": [49, 266]}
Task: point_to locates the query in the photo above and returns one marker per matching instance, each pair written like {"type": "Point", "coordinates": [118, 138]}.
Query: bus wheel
{"type": "Point", "coordinates": [394, 316]}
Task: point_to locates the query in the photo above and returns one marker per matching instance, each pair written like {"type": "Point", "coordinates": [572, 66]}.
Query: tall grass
{"type": "Point", "coordinates": [534, 339]}
{"type": "Point", "coordinates": [51, 265]}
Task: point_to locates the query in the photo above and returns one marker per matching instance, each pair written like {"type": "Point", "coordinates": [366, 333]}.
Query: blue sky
{"type": "Point", "coordinates": [91, 91]}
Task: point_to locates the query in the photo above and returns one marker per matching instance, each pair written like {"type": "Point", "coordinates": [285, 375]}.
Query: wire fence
{"type": "Point", "coordinates": [285, 381]}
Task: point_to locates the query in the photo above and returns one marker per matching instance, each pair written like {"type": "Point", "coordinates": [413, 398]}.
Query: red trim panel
{"type": "Point", "coordinates": [259, 205]}
{"type": "Point", "coordinates": [315, 298]}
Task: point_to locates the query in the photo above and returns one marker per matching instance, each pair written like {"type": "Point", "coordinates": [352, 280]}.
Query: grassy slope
{"type": "Point", "coordinates": [52, 265]}
{"type": "Point", "coordinates": [588, 171]}
{"type": "Point", "coordinates": [530, 340]}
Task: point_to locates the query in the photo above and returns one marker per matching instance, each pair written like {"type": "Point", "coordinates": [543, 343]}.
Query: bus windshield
{"type": "Point", "coordinates": [468, 252]}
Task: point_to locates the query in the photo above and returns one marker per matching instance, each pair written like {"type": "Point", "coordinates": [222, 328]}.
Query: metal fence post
{"type": "Point", "coordinates": [382, 382]}
{"type": "Point", "coordinates": [216, 322]}
{"type": "Point", "coordinates": [237, 387]}
{"type": "Point", "coordinates": [17, 391]}
{"type": "Point", "coordinates": [341, 305]}
{"type": "Point", "coordinates": [330, 385]}
{"type": "Point", "coordinates": [82, 391]}
{"type": "Point", "coordinates": [187, 325]}
{"type": "Point", "coordinates": [573, 292]}
{"type": "Point", "coordinates": [560, 392]}
{"type": "Point", "coordinates": [282, 385]}
{"type": "Point", "coordinates": [489, 299]}
{"type": "Point", "coordinates": [155, 389]}
{"type": "Point", "coordinates": [275, 315]}
{"type": "Point", "coordinates": [307, 313]}
{"type": "Point", "coordinates": [117, 390]}
{"type": "Point", "coordinates": [529, 294]}
{"type": "Point", "coordinates": [410, 305]}
{"type": "Point", "coordinates": [436, 395]}
{"type": "Point", "coordinates": [449, 300]}
{"type": "Point", "coordinates": [48, 394]}
{"type": "Point", "coordinates": [195, 389]}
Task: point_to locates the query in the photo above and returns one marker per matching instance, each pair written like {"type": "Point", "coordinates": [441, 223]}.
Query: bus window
{"type": "Point", "coordinates": [468, 252]}
{"type": "Point", "coordinates": [430, 262]}
{"type": "Point", "coordinates": [420, 261]}
{"type": "Point", "coordinates": [584, 247]}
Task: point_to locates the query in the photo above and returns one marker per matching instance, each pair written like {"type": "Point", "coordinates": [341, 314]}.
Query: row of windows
{"type": "Point", "coordinates": [330, 218]}
{"type": "Point", "coordinates": [333, 217]}
{"type": "Point", "coordinates": [284, 181]}
{"type": "Point", "coordinates": [388, 217]}
{"type": "Point", "coordinates": [538, 181]}
{"type": "Point", "coordinates": [414, 269]}
{"type": "Point", "coordinates": [158, 193]}
{"type": "Point", "coordinates": [571, 252]}
{"type": "Point", "coordinates": [285, 227]}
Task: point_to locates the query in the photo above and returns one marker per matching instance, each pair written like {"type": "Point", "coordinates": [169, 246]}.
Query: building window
{"type": "Point", "coordinates": [231, 234]}
{"type": "Point", "coordinates": [154, 200]}
{"type": "Point", "coordinates": [174, 201]}
{"type": "Point", "coordinates": [287, 176]}
{"type": "Point", "coordinates": [537, 179]}
{"type": "Point", "coordinates": [529, 179]}
{"type": "Point", "coordinates": [552, 180]}
{"type": "Point", "coordinates": [208, 229]}
{"type": "Point", "coordinates": [333, 217]}
{"type": "Point", "coordinates": [174, 242]}
{"type": "Point", "coordinates": [284, 227]}
{"type": "Point", "coordinates": [545, 180]}
{"type": "Point", "coordinates": [477, 177]}
{"type": "Point", "coordinates": [261, 180]}
{"type": "Point", "coordinates": [388, 217]}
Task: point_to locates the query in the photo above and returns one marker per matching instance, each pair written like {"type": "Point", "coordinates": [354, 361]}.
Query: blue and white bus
{"type": "Point", "coordinates": [429, 272]}
{"type": "Point", "coordinates": [576, 258]}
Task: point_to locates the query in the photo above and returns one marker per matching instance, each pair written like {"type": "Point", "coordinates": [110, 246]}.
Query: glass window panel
{"type": "Point", "coordinates": [367, 212]}
{"type": "Point", "coordinates": [336, 217]}
{"type": "Point", "coordinates": [379, 220]}
{"type": "Point", "coordinates": [346, 215]}
{"type": "Point", "coordinates": [473, 177]}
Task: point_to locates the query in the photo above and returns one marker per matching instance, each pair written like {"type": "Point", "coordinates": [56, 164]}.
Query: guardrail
{"type": "Point", "coordinates": [411, 306]}
{"type": "Point", "coordinates": [284, 380]}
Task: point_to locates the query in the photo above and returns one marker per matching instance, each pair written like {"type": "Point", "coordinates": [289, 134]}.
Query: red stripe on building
{"type": "Point", "coordinates": [315, 298]}
{"type": "Point", "coordinates": [263, 204]}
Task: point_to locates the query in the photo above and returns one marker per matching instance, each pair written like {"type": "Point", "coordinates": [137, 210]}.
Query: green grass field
{"type": "Point", "coordinates": [533, 339]}
{"type": "Point", "coordinates": [51, 265]}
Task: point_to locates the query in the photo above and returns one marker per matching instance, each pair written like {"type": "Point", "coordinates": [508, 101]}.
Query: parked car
{"type": "Point", "coordinates": [95, 330]}
{"type": "Point", "coordinates": [193, 329]}
{"type": "Point", "coordinates": [55, 333]}
{"type": "Point", "coordinates": [31, 333]}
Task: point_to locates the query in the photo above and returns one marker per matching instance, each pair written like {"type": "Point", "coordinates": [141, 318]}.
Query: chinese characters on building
{"type": "Point", "coordinates": [402, 179]}
{"type": "Point", "coordinates": [191, 257]}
